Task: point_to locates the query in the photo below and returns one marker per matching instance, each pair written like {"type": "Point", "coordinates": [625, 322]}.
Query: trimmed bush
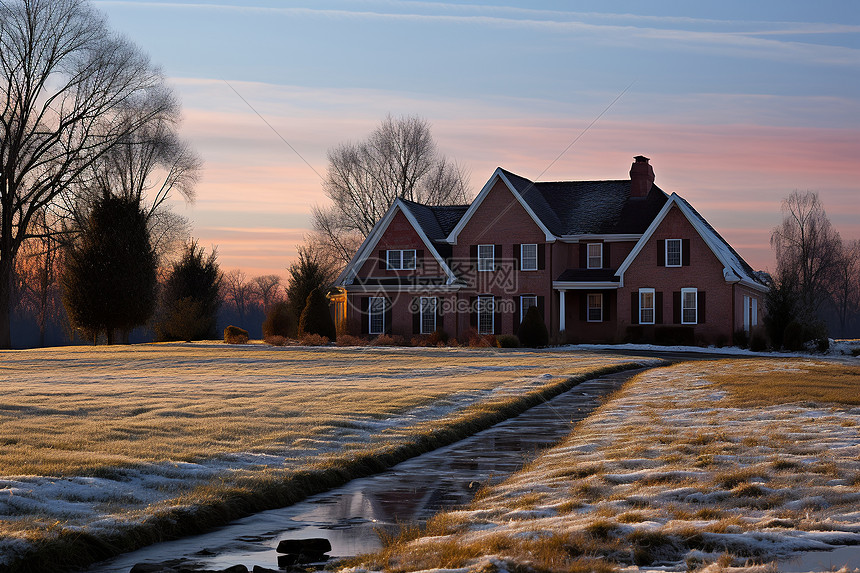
{"type": "Point", "coordinates": [316, 318]}
{"type": "Point", "coordinates": [533, 332]}
{"type": "Point", "coordinates": [350, 340]}
{"type": "Point", "coordinates": [279, 321]}
{"type": "Point", "coordinates": [508, 341]}
{"type": "Point", "coordinates": [314, 340]}
{"type": "Point", "coordinates": [740, 338]}
{"type": "Point", "coordinates": [276, 340]}
{"type": "Point", "coordinates": [438, 337]}
{"type": "Point", "coordinates": [758, 339]}
{"type": "Point", "coordinates": [235, 335]}
{"type": "Point", "coordinates": [675, 336]}
{"type": "Point", "coordinates": [386, 340]}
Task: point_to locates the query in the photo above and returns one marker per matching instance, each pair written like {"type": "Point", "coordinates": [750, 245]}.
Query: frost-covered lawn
{"type": "Point", "coordinates": [702, 462]}
{"type": "Point", "coordinates": [92, 439]}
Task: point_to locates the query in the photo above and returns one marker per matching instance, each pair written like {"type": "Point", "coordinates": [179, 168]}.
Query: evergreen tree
{"type": "Point", "coordinates": [533, 332]}
{"type": "Point", "coordinates": [279, 321]}
{"type": "Point", "coordinates": [306, 274]}
{"type": "Point", "coordinates": [191, 299]}
{"type": "Point", "coordinates": [316, 317]}
{"type": "Point", "coordinates": [109, 282]}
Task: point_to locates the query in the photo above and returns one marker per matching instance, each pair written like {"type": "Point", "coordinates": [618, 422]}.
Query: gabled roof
{"type": "Point", "coordinates": [425, 217]}
{"type": "Point", "coordinates": [436, 221]}
{"type": "Point", "coordinates": [570, 208]}
{"type": "Point", "coordinates": [735, 269]}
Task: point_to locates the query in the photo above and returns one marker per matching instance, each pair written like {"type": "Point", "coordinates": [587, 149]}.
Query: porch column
{"type": "Point", "coordinates": [561, 311]}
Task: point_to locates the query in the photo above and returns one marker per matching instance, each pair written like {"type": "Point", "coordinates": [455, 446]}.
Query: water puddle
{"type": "Point", "coordinates": [350, 516]}
{"type": "Point", "coordinates": [847, 556]}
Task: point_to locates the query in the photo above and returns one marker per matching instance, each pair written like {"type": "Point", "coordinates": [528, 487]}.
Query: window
{"type": "Point", "coordinates": [673, 253]}
{"type": "Point", "coordinates": [528, 257]}
{"type": "Point", "coordinates": [486, 318]}
{"type": "Point", "coordinates": [376, 308]}
{"type": "Point", "coordinates": [399, 260]}
{"type": "Point", "coordinates": [486, 257]}
{"type": "Point", "coordinates": [595, 255]}
{"type": "Point", "coordinates": [689, 306]}
{"type": "Point", "coordinates": [595, 307]}
{"type": "Point", "coordinates": [526, 302]}
{"type": "Point", "coordinates": [428, 314]}
{"type": "Point", "coordinates": [646, 306]}
{"type": "Point", "coordinates": [750, 312]}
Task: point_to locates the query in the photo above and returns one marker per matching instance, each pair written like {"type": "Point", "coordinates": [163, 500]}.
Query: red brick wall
{"type": "Point", "coordinates": [705, 273]}
{"type": "Point", "coordinates": [400, 235]}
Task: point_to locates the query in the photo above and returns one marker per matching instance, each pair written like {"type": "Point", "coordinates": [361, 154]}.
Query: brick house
{"type": "Point", "coordinates": [604, 261]}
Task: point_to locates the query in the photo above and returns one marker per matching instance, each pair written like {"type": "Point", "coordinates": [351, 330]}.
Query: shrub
{"type": "Point", "coordinates": [279, 321]}
{"type": "Point", "coordinates": [675, 336]}
{"type": "Point", "coordinates": [453, 343]}
{"type": "Point", "coordinates": [349, 340]}
{"type": "Point", "coordinates": [855, 352]}
{"type": "Point", "coordinates": [316, 318]}
{"type": "Point", "coordinates": [482, 340]}
{"type": "Point", "coordinates": [235, 335]}
{"type": "Point", "coordinates": [533, 332]}
{"type": "Point", "coordinates": [386, 340]}
{"type": "Point", "coordinates": [508, 341]}
{"type": "Point", "coordinates": [740, 338]}
{"type": "Point", "coordinates": [314, 340]}
{"type": "Point", "coordinates": [758, 339]}
{"type": "Point", "coordinates": [635, 334]}
{"type": "Point", "coordinates": [438, 338]}
{"type": "Point", "coordinates": [721, 341]}
{"type": "Point", "coordinates": [275, 340]}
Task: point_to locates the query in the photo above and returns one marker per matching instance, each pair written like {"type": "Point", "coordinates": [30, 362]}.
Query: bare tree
{"type": "Point", "coordinates": [268, 289]}
{"type": "Point", "coordinates": [846, 285]}
{"type": "Point", "coordinates": [399, 159]}
{"type": "Point", "coordinates": [807, 249]}
{"type": "Point", "coordinates": [70, 91]}
{"type": "Point", "coordinates": [238, 291]}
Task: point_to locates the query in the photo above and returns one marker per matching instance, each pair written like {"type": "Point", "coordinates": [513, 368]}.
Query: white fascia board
{"type": "Point", "coordinates": [717, 247]}
{"type": "Point", "coordinates": [618, 238]}
{"type": "Point", "coordinates": [581, 285]}
{"type": "Point", "coordinates": [369, 244]}
{"type": "Point", "coordinates": [422, 289]}
{"type": "Point", "coordinates": [497, 175]}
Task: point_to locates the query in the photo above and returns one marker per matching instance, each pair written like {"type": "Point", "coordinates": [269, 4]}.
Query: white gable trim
{"type": "Point", "coordinates": [733, 271]}
{"type": "Point", "coordinates": [348, 275]}
{"type": "Point", "coordinates": [497, 175]}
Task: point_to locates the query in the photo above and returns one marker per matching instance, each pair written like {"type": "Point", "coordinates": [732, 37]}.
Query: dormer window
{"type": "Point", "coordinates": [595, 255]}
{"type": "Point", "coordinates": [400, 259]}
{"type": "Point", "coordinates": [674, 256]}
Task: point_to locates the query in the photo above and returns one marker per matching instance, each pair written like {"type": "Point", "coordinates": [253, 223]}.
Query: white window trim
{"type": "Point", "coordinates": [400, 266]}
{"type": "Point", "coordinates": [588, 255]}
{"type": "Point", "coordinates": [680, 253]}
{"type": "Point", "coordinates": [370, 315]}
{"type": "Point", "coordinates": [653, 294]}
{"type": "Point", "coordinates": [491, 259]}
{"type": "Point", "coordinates": [523, 308]}
{"type": "Point", "coordinates": [746, 313]}
{"type": "Point", "coordinates": [421, 314]}
{"type": "Point", "coordinates": [492, 307]}
{"type": "Point", "coordinates": [523, 257]}
{"type": "Point", "coordinates": [754, 313]}
{"type": "Point", "coordinates": [695, 292]}
{"type": "Point", "coordinates": [588, 307]}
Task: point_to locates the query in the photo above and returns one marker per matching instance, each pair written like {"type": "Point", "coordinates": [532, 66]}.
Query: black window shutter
{"type": "Point", "coordinates": [658, 307]}
{"type": "Point", "coordinates": [583, 255]}
{"type": "Point", "coordinates": [661, 253]}
{"type": "Point", "coordinates": [497, 319]}
{"type": "Point", "coordinates": [541, 308]}
{"type": "Point", "coordinates": [676, 307]}
{"type": "Point", "coordinates": [497, 256]}
{"type": "Point", "coordinates": [518, 310]}
{"type": "Point", "coordinates": [607, 306]}
{"type": "Point", "coordinates": [473, 312]}
{"type": "Point", "coordinates": [701, 307]}
{"type": "Point", "coordinates": [419, 259]}
{"type": "Point", "coordinates": [685, 252]}
{"type": "Point", "coordinates": [541, 256]}
{"type": "Point", "coordinates": [388, 316]}
{"type": "Point", "coordinates": [439, 316]}
{"type": "Point", "coordinates": [634, 307]}
{"type": "Point", "coordinates": [607, 263]}
{"type": "Point", "coordinates": [416, 315]}
{"type": "Point", "coordinates": [583, 306]}
{"type": "Point", "coordinates": [473, 255]}
{"type": "Point", "coordinates": [383, 259]}
{"type": "Point", "coordinates": [365, 306]}
{"type": "Point", "coordinates": [518, 256]}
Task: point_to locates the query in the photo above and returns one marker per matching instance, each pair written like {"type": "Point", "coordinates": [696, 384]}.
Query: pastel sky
{"type": "Point", "coordinates": [737, 103]}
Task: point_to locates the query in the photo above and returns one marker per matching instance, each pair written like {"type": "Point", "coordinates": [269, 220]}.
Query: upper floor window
{"type": "Point", "coordinates": [595, 307]}
{"type": "Point", "coordinates": [689, 306]}
{"type": "Point", "coordinates": [673, 253]}
{"type": "Point", "coordinates": [528, 257]}
{"type": "Point", "coordinates": [486, 257]}
{"type": "Point", "coordinates": [595, 255]}
{"type": "Point", "coordinates": [646, 306]}
{"type": "Point", "coordinates": [526, 302]}
{"type": "Point", "coordinates": [402, 259]}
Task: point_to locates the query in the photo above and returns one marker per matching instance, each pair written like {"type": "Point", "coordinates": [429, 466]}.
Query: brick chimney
{"type": "Point", "coordinates": [641, 177]}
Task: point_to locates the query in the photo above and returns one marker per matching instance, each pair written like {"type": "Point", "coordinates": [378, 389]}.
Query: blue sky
{"type": "Point", "coordinates": [736, 103]}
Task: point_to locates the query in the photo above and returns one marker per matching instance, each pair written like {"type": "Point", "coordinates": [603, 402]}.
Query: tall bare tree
{"type": "Point", "coordinates": [70, 91]}
{"type": "Point", "coordinates": [238, 291]}
{"type": "Point", "coordinates": [846, 286]}
{"type": "Point", "coordinates": [399, 159]}
{"type": "Point", "coordinates": [268, 290]}
{"type": "Point", "coordinates": [807, 249]}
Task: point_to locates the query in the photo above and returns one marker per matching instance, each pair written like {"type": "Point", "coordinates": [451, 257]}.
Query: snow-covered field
{"type": "Point", "coordinates": [97, 439]}
{"type": "Point", "coordinates": [684, 467]}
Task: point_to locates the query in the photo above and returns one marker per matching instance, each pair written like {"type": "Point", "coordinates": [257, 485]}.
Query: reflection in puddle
{"type": "Point", "coordinates": [846, 556]}
{"type": "Point", "coordinates": [410, 492]}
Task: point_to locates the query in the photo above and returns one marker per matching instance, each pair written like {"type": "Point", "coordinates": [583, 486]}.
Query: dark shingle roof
{"type": "Point", "coordinates": [589, 207]}
{"type": "Point", "coordinates": [437, 221]}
